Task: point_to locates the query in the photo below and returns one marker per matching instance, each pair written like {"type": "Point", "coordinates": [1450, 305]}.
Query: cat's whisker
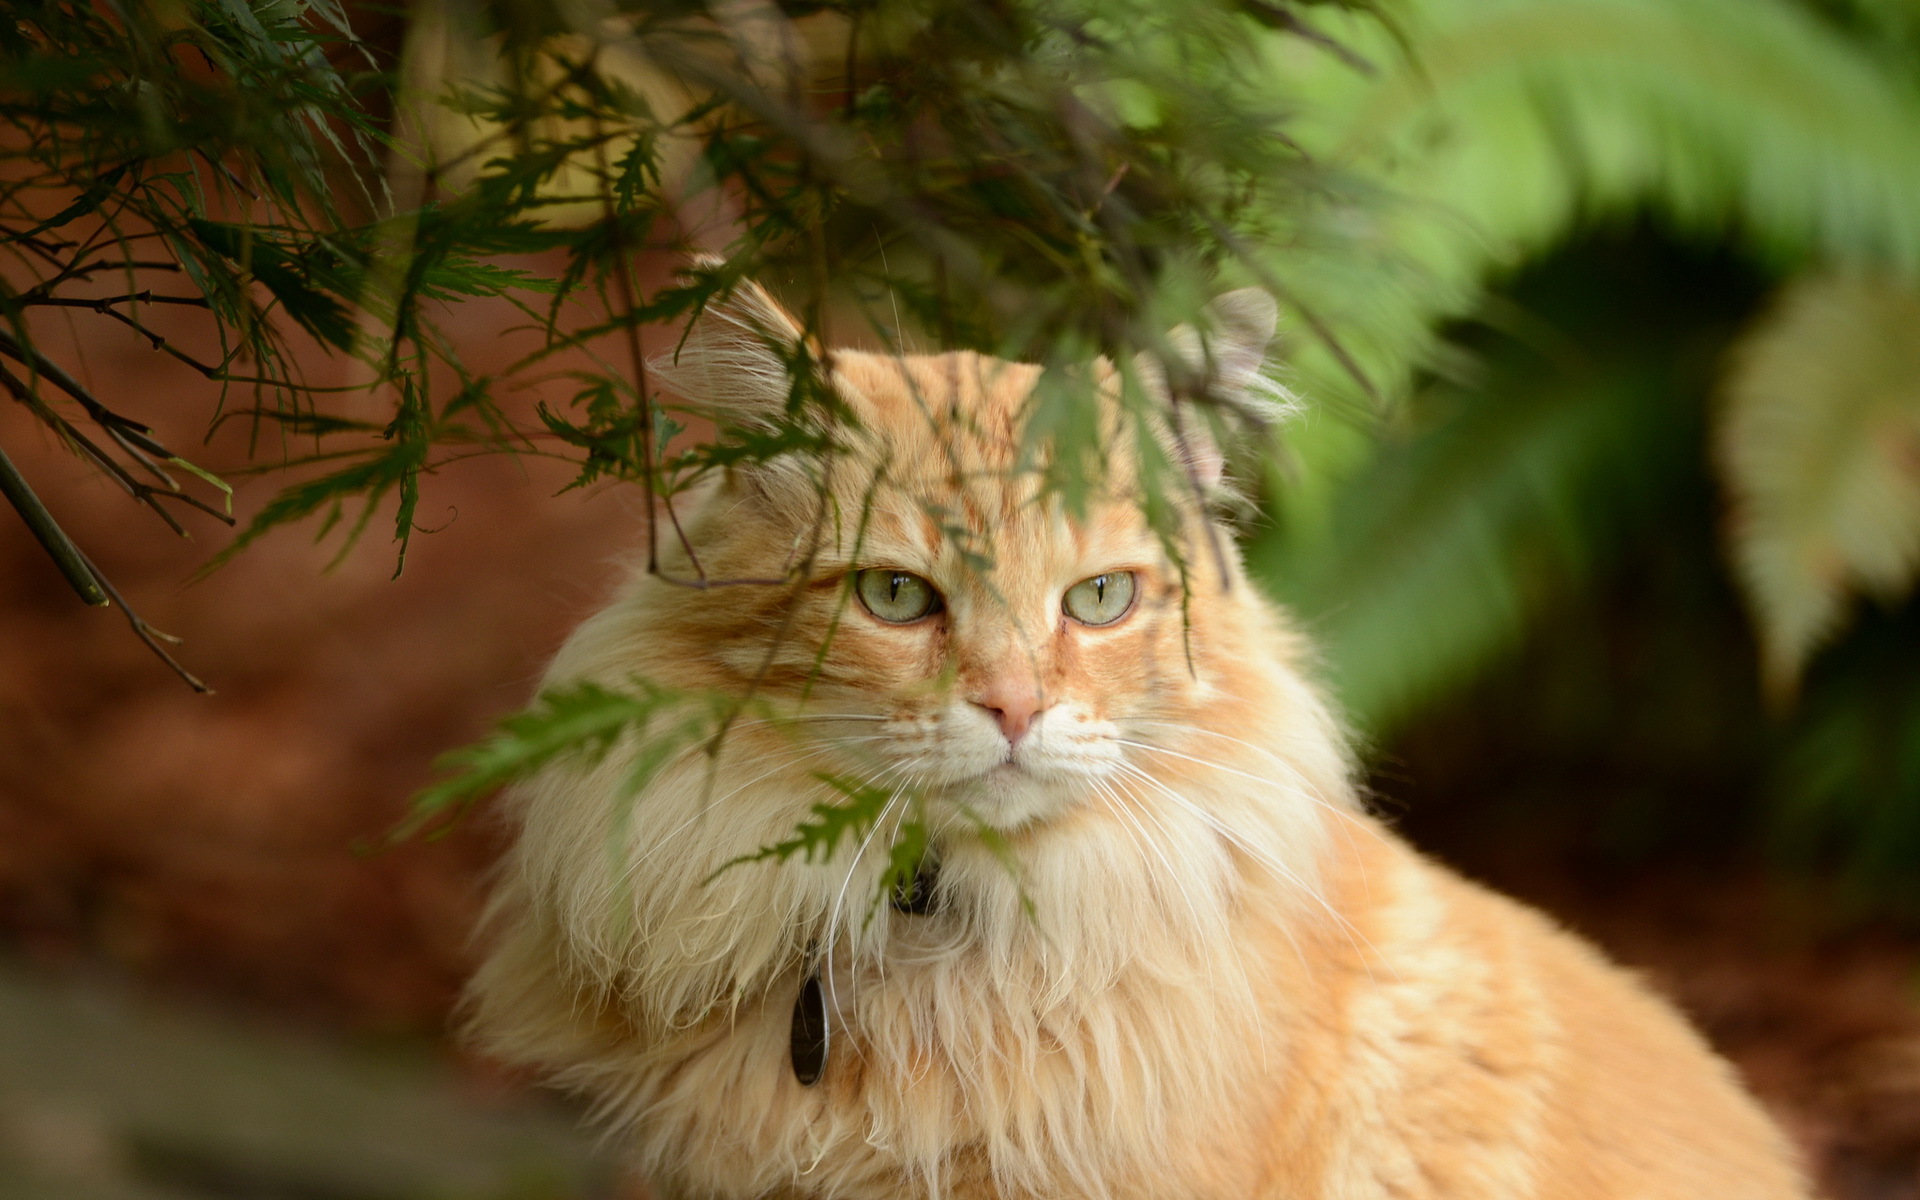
{"type": "Point", "coordinates": [1145, 813]}
{"type": "Point", "coordinates": [1229, 834]}
{"type": "Point", "coordinates": [911, 781]}
{"type": "Point", "coordinates": [1233, 838]}
{"type": "Point", "coordinates": [798, 718]}
{"type": "Point", "coordinates": [1187, 727]}
{"type": "Point", "coordinates": [1278, 760]}
{"type": "Point", "coordinates": [1349, 821]}
{"type": "Point", "coordinates": [617, 883]}
{"type": "Point", "coordinates": [1368, 954]}
{"type": "Point", "coordinates": [1221, 827]}
{"type": "Point", "coordinates": [853, 741]}
{"type": "Point", "coordinates": [888, 772]}
{"type": "Point", "coordinates": [1131, 822]}
{"type": "Point", "coordinates": [833, 914]}
{"type": "Point", "coordinates": [1306, 786]}
{"type": "Point", "coordinates": [1192, 728]}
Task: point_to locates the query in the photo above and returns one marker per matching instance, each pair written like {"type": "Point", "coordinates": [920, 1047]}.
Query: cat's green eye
{"type": "Point", "coordinates": [1101, 600]}
{"type": "Point", "coordinates": [897, 597]}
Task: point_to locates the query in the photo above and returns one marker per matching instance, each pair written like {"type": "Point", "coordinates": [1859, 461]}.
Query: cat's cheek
{"type": "Point", "coordinates": [1114, 672]}
{"type": "Point", "coordinates": [882, 661]}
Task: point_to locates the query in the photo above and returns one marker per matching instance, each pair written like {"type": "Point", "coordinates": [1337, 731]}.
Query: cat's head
{"type": "Point", "coordinates": [955, 626]}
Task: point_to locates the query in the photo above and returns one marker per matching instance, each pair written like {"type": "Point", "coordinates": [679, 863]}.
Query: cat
{"type": "Point", "coordinates": [1159, 949]}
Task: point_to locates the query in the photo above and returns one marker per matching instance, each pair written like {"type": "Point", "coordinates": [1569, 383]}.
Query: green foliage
{"type": "Point", "coordinates": [1432, 540]}
{"type": "Point", "coordinates": [817, 838]}
{"type": "Point", "coordinates": [1820, 447]}
{"type": "Point", "coordinates": [132, 134]}
{"type": "Point", "coordinates": [1046, 180]}
{"type": "Point", "coordinates": [854, 820]}
{"type": "Point", "coordinates": [1476, 515]}
{"type": "Point", "coordinates": [583, 722]}
{"type": "Point", "coordinates": [1495, 128]}
{"type": "Point", "coordinates": [1499, 491]}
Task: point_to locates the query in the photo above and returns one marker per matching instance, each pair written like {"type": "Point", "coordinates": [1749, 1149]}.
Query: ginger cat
{"type": "Point", "coordinates": [1209, 974]}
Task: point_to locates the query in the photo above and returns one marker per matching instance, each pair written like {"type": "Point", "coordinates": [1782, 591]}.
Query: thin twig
{"type": "Point", "coordinates": [40, 364]}
{"type": "Point", "coordinates": [79, 271]}
{"type": "Point", "coordinates": [47, 250]}
{"type": "Point", "coordinates": [144, 493]}
{"type": "Point", "coordinates": [66, 556]}
{"type": "Point", "coordinates": [29, 300]}
{"type": "Point", "coordinates": [147, 633]}
{"type": "Point", "coordinates": [163, 345]}
{"type": "Point", "coordinates": [629, 297]}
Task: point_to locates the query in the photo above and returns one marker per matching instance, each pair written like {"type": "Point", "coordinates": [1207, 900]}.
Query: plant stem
{"type": "Point", "coordinates": [48, 533]}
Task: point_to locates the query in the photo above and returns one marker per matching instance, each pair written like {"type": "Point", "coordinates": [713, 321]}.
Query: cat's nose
{"type": "Point", "coordinates": [1013, 704]}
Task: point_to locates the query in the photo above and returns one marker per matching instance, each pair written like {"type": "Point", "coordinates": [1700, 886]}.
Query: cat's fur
{"type": "Point", "coordinates": [1209, 974]}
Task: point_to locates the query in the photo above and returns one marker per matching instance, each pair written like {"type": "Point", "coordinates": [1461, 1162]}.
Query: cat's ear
{"type": "Point", "coordinates": [734, 362]}
{"type": "Point", "coordinates": [1224, 365]}
{"type": "Point", "coordinates": [1240, 326]}
{"type": "Point", "coordinates": [735, 365]}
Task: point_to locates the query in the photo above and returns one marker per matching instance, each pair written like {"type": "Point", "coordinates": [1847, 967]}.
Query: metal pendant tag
{"type": "Point", "coordinates": [808, 1044]}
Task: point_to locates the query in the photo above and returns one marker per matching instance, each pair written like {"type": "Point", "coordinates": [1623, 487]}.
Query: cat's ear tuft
{"type": "Point", "coordinates": [734, 361]}
{"type": "Point", "coordinates": [1240, 327]}
{"type": "Point", "coordinates": [1222, 368]}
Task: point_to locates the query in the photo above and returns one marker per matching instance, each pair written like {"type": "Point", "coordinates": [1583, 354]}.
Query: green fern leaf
{"type": "Point", "coordinates": [1818, 445]}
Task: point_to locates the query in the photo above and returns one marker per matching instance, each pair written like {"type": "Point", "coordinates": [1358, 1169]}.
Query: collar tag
{"type": "Point", "coordinates": [808, 1042]}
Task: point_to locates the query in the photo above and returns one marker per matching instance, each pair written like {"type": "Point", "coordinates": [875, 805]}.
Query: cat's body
{"type": "Point", "coordinates": [1211, 974]}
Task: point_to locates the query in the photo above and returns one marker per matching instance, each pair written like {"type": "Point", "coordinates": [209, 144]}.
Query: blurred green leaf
{"type": "Point", "coordinates": [1818, 444]}
{"type": "Point", "coordinates": [1495, 129]}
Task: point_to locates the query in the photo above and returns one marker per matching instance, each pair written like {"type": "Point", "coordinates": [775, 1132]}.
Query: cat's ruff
{"type": "Point", "coordinates": [1213, 975]}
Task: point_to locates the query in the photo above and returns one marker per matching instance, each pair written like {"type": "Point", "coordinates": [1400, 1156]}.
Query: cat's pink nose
{"type": "Point", "coordinates": [1014, 704]}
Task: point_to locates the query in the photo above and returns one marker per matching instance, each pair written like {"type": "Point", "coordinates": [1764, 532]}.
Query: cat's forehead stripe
{"type": "Point", "coordinates": [935, 409]}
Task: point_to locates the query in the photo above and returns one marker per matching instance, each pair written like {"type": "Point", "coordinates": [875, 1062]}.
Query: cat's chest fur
{"type": "Point", "coordinates": [1402, 1034]}
{"type": "Point", "coordinates": [963, 1067]}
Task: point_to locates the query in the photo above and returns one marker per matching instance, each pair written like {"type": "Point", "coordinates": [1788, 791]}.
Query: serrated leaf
{"type": "Point", "coordinates": [816, 839]}
{"type": "Point", "coordinates": [583, 720]}
{"type": "Point", "coordinates": [372, 478]}
{"type": "Point", "coordinates": [300, 282]}
{"type": "Point", "coordinates": [1818, 447]}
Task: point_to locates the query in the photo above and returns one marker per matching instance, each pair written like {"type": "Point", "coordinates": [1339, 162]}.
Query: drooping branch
{"type": "Point", "coordinates": [66, 556]}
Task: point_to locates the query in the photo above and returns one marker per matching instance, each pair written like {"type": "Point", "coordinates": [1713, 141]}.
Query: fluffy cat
{"type": "Point", "coordinates": [1207, 972]}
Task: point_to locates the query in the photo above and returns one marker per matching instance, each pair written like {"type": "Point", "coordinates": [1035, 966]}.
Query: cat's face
{"type": "Point", "coordinates": [1008, 650]}
{"type": "Point", "coordinates": [1016, 691]}
{"type": "Point", "coordinates": [959, 633]}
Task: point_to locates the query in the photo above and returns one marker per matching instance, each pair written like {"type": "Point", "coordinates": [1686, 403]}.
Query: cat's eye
{"type": "Point", "coordinates": [896, 597]}
{"type": "Point", "coordinates": [1101, 600]}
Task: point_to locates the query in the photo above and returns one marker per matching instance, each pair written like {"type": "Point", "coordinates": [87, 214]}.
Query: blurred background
{"type": "Point", "coordinates": [1602, 505]}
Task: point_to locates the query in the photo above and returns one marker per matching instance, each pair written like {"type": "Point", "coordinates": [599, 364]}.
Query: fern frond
{"type": "Point", "coordinates": [1818, 444]}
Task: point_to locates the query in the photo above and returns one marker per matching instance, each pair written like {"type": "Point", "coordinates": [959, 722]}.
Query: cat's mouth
{"type": "Point", "coordinates": [1012, 794]}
